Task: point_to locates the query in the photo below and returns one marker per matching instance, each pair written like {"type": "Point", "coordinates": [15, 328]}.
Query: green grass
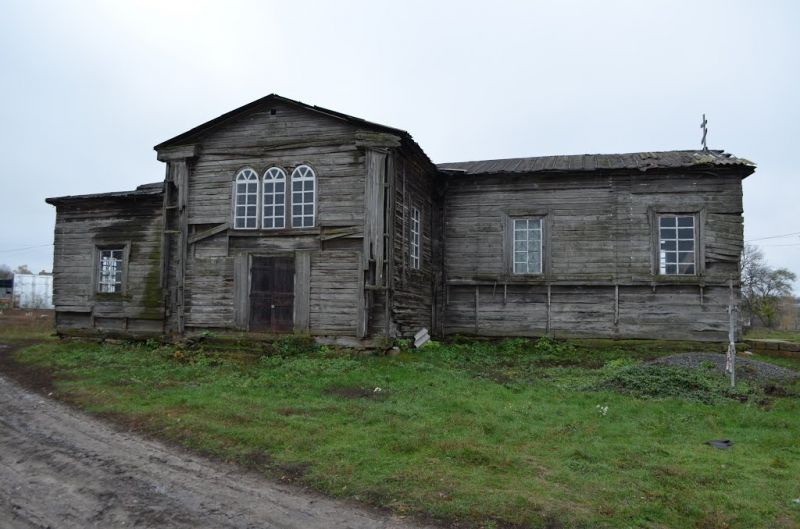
{"type": "Point", "coordinates": [484, 433]}
{"type": "Point", "coordinates": [770, 334]}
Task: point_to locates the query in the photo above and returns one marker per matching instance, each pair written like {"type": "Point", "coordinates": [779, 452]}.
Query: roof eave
{"type": "Point", "coordinates": [118, 195]}
{"type": "Point", "coordinates": [744, 170]}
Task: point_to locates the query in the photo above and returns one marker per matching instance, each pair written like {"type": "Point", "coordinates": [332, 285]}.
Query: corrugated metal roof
{"type": "Point", "coordinates": [642, 161]}
{"type": "Point", "coordinates": [155, 188]}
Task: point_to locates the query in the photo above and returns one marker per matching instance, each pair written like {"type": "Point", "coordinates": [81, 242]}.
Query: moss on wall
{"type": "Point", "coordinates": [152, 298]}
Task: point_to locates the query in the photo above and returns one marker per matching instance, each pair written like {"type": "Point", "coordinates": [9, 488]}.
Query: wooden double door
{"type": "Point", "coordinates": [272, 294]}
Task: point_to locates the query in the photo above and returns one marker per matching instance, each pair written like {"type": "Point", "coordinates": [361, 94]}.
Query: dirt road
{"type": "Point", "coordinates": [62, 469]}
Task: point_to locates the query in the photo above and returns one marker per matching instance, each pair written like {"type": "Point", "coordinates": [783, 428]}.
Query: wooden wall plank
{"type": "Point", "coordinates": [601, 234]}
{"type": "Point", "coordinates": [302, 290]}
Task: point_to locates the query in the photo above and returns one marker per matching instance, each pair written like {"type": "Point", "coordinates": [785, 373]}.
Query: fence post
{"type": "Point", "coordinates": [730, 363]}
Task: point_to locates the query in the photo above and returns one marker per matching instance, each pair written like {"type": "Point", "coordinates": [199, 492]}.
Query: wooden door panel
{"type": "Point", "coordinates": [272, 294]}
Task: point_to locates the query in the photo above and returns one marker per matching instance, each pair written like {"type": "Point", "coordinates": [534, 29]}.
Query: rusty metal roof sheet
{"type": "Point", "coordinates": [155, 188]}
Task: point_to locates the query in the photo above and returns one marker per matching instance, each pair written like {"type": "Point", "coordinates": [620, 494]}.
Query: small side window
{"type": "Point", "coordinates": [415, 238]}
{"type": "Point", "coordinates": [527, 244]}
{"type": "Point", "coordinates": [677, 245]}
{"type": "Point", "coordinates": [111, 267]}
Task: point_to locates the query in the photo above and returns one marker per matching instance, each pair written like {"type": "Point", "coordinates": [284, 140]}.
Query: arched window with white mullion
{"type": "Point", "coordinates": [304, 190]}
{"type": "Point", "coordinates": [245, 215]}
{"type": "Point", "coordinates": [274, 200]}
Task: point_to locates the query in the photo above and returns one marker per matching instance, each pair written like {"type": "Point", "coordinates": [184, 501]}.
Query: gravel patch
{"type": "Point", "coordinates": [745, 368]}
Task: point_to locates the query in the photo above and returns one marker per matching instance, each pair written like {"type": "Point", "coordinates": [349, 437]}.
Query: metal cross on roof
{"type": "Point", "coordinates": [705, 132]}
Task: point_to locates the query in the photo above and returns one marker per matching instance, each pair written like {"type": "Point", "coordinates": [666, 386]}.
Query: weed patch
{"type": "Point", "coordinates": [290, 345]}
{"type": "Point", "coordinates": [661, 381]}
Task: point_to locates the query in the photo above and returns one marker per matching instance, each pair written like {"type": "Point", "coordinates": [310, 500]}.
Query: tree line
{"type": "Point", "coordinates": [767, 294]}
{"type": "Point", "coordinates": [7, 273]}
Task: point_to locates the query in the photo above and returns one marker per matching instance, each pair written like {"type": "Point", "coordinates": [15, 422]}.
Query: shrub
{"type": "Point", "coordinates": [618, 363]}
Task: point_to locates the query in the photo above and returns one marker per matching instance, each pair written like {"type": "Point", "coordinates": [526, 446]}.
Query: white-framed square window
{"type": "Point", "coordinates": [677, 241]}
{"type": "Point", "coordinates": [415, 237]}
{"type": "Point", "coordinates": [110, 269]}
{"type": "Point", "coordinates": [527, 245]}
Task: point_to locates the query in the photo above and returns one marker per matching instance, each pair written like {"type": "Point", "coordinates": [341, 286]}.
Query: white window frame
{"type": "Point", "coordinates": [677, 244]}
{"type": "Point", "coordinates": [110, 267]}
{"type": "Point", "coordinates": [415, 238]}
{"type": "Point", "coordinates": [273, 203]}
{"type": "Point", "coordinates": [522, 246]}
{"type": "Point", "coordinates": [305, 177]}
{"type": "Point", "coordinates": [247, 177]}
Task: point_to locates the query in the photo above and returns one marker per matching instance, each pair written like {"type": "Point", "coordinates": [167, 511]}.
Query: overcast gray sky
{"type": "Point", "coordinates": [89, 87]}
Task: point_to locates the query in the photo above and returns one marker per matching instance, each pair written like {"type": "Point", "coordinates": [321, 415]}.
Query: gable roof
{"type": "Point", "coordinates": [192, 134]}
{"type": "Point", "coordinates": [642, 161]}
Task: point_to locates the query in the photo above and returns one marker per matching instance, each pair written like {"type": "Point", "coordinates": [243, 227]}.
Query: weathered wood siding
{"type": "Point", "coordinates": [188, 269]}
{"type": "Point", "coordinates": [328, 257]}
{"type": "Point", "coordinates": [286, 139]}
{"type": "Point", "coordinates": [334, 292]}
{"type": "Point", "coordinates": [599, 255]}
{"type": "Point", "coordinates": [412, 296]}
{"type": "Point", "coordinates": [82, 226]}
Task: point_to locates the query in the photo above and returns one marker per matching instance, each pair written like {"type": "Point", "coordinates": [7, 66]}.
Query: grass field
{"type": "Point", "coordinates": [770, 334]}
{"type": "Point", "coordinates": [481, 434]}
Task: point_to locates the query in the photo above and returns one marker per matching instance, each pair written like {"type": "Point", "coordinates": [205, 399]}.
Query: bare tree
{"type": "Point", "coordinates": [22, 269]}
{"type": "Point", "coordinates": [763, 287]}
{"type": "Point", "coordinates": [5, 272]}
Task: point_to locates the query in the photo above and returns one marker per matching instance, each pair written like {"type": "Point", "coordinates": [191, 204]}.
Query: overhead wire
{"type": "Point", "coordinates": [12, 250]}
{"type": "Point", "coordinates": [775, 236]}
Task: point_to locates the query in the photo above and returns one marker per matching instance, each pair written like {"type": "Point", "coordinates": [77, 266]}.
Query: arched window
{"type": "Point", "coordinates": [274, 203]}
{"type": "Point", "coordinates": [303, 199]}
{"type": "Point", "coordinates": [245, 215]}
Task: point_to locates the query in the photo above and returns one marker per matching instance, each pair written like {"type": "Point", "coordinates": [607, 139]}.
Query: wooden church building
{"type": "Point", "coordinates": [285, 217]}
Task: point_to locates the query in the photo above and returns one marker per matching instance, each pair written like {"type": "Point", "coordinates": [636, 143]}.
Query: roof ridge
{"type": "Point", "coordinates": [650, 154]}
{"type": "Point", "coordinates": [642, 161]}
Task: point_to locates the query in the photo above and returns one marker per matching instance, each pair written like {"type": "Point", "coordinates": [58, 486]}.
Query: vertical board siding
{"type": "Point", "coordinates": [302, 290]}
